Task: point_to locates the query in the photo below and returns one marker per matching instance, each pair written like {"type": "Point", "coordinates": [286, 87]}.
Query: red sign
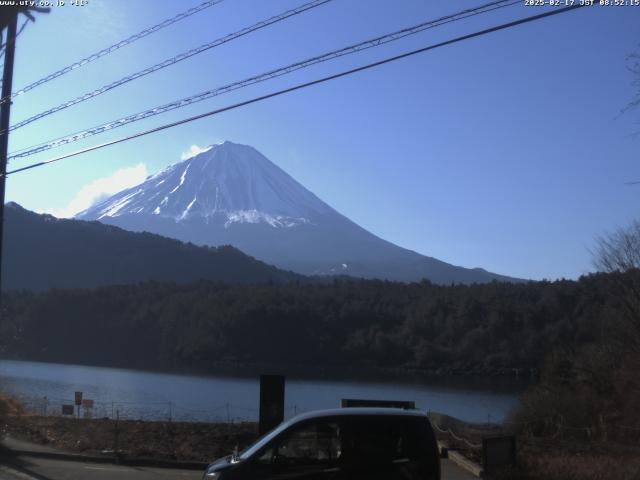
{"type": "Point", "coordinates": [87, 403]}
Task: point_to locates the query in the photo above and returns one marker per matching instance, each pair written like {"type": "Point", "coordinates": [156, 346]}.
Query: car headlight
{"type": "Point", "coordinates": [210, 473]}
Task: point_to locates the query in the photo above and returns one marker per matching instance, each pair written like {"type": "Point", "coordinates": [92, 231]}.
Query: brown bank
{"type": "Point", "coordinates": [179, 441]}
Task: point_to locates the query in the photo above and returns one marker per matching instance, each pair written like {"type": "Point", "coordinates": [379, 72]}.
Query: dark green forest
{"type": "Point", "coordinates": [479, 329]}
{"type": "Point", "coordinates": [43, 252]}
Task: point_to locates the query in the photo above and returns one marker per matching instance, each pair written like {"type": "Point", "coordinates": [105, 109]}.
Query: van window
{"type": "Point", "coordinates": [383, 440]}
{"type": "Point", "coordinates": [312, 443]}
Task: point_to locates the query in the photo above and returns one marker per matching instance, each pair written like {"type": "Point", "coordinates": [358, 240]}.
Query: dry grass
{"type": "Point", "coordinates": [10, 406]}
{"type": "Point", "coordinates": [573, 461]}
{"type": "Point", "coordinates": [562, 466]}
{"type": "Point", "coordinates": [161, 440]}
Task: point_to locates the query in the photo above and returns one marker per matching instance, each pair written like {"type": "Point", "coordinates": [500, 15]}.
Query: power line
{"type": "Point", "coordinates": [390, 37]}
{"type": "Point", "coordinates": [302, 86]}
{"type": "Point", "coordinates": [172, 61]}
{"type": "Point", "coordinates": [113, 48]}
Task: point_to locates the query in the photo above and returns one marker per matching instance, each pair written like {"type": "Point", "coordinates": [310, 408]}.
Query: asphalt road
{"type": "Point", "coordinates": [32, 468]}
{"type": "Point", "coordinates": [451, 471]}
{"type": "Point", "coordinates": [45, 469]}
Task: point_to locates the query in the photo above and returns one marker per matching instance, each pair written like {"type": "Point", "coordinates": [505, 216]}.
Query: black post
{"type": "Point", "coordinates": [116, 432]}
{"type": "Point", "coordinates": [5, 112]}
{"type": "Point", "coordinates": [498, 456]}
{"type": "Point", "coordinates": [271, 402]}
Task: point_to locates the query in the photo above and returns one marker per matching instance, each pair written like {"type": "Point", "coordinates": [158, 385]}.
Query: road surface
{"type": "Point", "coordinates": [46, 469]}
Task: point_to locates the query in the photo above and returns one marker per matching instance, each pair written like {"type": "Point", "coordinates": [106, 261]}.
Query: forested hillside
{"type": "Point", "coordinates": [491, 328]}
{"type": "Point", "coordinates": [42, 252]}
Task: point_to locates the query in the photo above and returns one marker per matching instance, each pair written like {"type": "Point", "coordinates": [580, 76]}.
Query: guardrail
{"type": "Point", "coordinates": [492, 452]}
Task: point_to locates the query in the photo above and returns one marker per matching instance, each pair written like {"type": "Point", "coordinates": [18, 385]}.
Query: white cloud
{"type": "Point", "coordinates": [102, 188]}
{"type": "Point", "coordinates": [193, 151]}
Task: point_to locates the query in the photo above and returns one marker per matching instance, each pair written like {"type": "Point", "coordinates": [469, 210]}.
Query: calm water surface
{"type": "Point", "coordinates": [153, 396]}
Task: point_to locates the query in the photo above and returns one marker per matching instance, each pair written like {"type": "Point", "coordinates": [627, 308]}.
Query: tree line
{"type": "Point", "coordinates": [482, 329]}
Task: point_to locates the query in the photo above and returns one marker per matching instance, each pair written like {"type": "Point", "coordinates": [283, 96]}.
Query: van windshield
{"type": "Point", "coordinates": [264, 440]}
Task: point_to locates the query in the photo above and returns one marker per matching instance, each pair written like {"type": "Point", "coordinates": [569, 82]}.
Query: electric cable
{"type": "Point", "coordinates": [112, 48]}
{"type": "Point", "coordinates": [371, 43]}
{"type": "Point", "coordinates": [171, 61]}
{"type": "Point", "coordinates": [304, 85]}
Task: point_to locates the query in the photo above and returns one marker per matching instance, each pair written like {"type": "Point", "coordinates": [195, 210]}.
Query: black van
{"type": "Point", "coordinates": [340, 444]}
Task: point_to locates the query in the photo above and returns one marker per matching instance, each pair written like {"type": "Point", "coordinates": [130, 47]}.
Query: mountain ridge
{"type": "Point", "coordinates": [232, 194]}
{"type": "Point", "coordinates": [43, 252]}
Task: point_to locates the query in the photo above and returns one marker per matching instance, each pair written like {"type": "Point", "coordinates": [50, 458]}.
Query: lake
{"type": "Point", "coordinates": [134, 394]}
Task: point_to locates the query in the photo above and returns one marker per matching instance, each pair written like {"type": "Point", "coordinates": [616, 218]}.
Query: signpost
{"type": "Point", "coordinates": [78, 401]}
{"type": "Point", "coordinates": [87, 407]}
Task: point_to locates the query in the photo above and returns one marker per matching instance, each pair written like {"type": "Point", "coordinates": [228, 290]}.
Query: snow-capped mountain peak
{"type": "Point", "coordinates": [231, 182]}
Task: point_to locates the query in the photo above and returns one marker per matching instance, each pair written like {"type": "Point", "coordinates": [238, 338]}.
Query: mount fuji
{"type": "Point", "coordinates": [231, 194]}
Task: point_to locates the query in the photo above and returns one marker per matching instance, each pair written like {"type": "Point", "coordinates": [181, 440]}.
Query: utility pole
{"type": "Point", "coordinates": [9, 19]}
{"type": "Point", "coordinates": [5, 113]}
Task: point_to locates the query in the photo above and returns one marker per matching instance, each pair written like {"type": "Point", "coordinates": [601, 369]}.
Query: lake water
{"type": "Point", "coordinates": [153, 396]}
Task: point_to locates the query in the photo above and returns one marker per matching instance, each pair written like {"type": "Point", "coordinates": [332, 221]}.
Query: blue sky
{"type": "Point", "coordinates": [507, 152]}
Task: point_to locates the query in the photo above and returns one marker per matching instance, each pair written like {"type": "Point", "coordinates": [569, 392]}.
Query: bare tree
{"type": "Point", "coordinates": [619, 251]}
{"type": "Point", "coordinates": [633, 65]}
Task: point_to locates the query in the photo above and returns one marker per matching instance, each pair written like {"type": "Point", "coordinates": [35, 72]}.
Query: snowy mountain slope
{"type": "Point", "coordinates": [231, 182]}
{"type": "Point", "coordinates": [232, 194]}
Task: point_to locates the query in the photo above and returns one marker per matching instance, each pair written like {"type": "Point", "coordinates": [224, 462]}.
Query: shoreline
{"type": "Point", "coordinates": [410, 374]}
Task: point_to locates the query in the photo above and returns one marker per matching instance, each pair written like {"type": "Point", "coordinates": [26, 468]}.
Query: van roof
{"type": "Point", "coordinates": [354, 411]}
